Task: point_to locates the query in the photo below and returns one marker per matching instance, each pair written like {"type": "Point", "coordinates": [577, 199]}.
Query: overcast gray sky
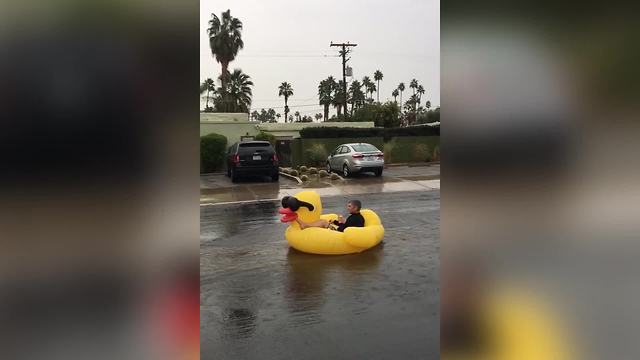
{"type": "Point", "coordinates": [288, 40]}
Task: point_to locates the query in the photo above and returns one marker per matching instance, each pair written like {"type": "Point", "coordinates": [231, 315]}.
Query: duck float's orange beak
{"type": "Point", "coordinates": [289, 215]}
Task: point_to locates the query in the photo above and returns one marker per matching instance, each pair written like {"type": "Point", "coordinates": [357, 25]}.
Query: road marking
{"type": "Point", "coordinates": [238, 202]}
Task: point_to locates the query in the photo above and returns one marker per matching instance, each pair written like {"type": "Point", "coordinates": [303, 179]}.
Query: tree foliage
{"type": "Point", "coordinates": [383, 115]}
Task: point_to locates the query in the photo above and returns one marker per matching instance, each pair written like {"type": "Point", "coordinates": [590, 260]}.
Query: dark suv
{"type": "Point", "coordinates": [252, 158]}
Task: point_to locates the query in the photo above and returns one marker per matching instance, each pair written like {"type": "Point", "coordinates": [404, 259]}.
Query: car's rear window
{"type": "Point", "coordinates": [255, 144]}
{"type": "Point", "coordinates": [364, 147]}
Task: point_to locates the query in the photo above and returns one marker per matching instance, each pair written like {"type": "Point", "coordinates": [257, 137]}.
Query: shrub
{"type": "Point", "coordinates": [334, 176]}
{"type": "Point", "coordinates": [323, 173]}
{"type": "Point", "coordinates": [429, 116]}
{"type": "Point", "coordinates": [304, 178]}
{"type": "Point", "coordinates": [383, 115]}
{"type": "Point", "coordinates": [212, 152]}
{"type": "Point", "coordinates": [317, 154]}
{"type": "Point", "coordinates": [263, 136]}
{"type": "Point", "coordinates": [388, 151]}
{"type": "Point", "coordinates": [303, 169]}
{"type": "Point", "coordinates": [421, 152]}
{"type": "Point", "coordinates": [293, 173]}
{"type": "Point", "coordinates": [436, 154]}
{"type": "Point", "coordinates": [313, 171]}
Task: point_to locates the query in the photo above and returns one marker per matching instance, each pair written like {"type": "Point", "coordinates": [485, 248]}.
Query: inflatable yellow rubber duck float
{"type": "Point", "coordinates": [306, 206]}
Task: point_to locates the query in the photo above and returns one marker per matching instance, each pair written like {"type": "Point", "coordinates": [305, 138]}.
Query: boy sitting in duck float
{"type": "Point", "coordinates": [355, 219]}
{"type": "Point", "coordinates": [309, 231]}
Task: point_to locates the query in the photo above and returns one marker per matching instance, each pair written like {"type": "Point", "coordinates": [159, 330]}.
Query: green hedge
{"type": "Point", "coordinates": [411, 149]}
{"type": "Point", "coordinates": [338, 132]}
{"type": "Point", "coordinates": [386, 133]}
{"type": "Point", "coordinates": [390, 133]}
{"type": "Point", "coordinates": [213, 148]}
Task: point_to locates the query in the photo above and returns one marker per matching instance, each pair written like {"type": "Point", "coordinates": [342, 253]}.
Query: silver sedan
{"type": "Point", "coordinates": [357, 157]}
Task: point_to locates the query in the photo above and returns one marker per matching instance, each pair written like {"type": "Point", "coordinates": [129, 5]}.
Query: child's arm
{"type": "Point", "coordinates": [302, 225]}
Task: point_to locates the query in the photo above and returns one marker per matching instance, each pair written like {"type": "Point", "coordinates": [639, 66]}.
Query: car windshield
{"type": "Point", "coordinates": [364, 147]}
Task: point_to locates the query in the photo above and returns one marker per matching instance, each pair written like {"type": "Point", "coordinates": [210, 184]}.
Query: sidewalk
{"type": "Point", "coordinates": [216, 189]}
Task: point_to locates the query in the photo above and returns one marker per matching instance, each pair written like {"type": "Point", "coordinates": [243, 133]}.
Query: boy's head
{"type": "Point", "coordinates": [354, 206]}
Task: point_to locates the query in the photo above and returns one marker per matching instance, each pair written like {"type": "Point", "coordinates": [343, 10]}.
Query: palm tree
{"type": "Point", "coordinates": [255, 115]}
{"type": "Point", "coordinates": [378, 76]}
{"type": "Point", "coordinates": [285, 90]}
{"type": "Point", "coordinates": [395, 93]}
{"type": "Point", "coordinates": [278, 117]}
{"type": "Point", "coordinates": [414, 85]}
{"type": "Point", "coordinates": [428, 105]}
{"type": "Point", "coordinates": [401, 89]}
{"type": "Point", "coordinates": [240, 91]}
{"type": "Point", "coordinates": [209, 87]}
{"type": "Point", "coordinates": [297, 114]}
{"type": "Point", "coordinates": [225, 40]}
{"type": "Point", "coordinates": [325, 90]}
{"type": "Point", "coordinates": [421, 92]}
{"type": "Point", "coordinates": [319, 116]}
{"type": "Point", "coordinates": [366, 82]}
{"type": "Point", "coordinates": [290, 118]}
{"type": "Point", "coordinates": [357, 96]}
{"type": "Point", "coordinates": [371, 89]}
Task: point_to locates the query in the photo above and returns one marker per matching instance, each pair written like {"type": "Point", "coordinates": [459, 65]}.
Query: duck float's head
{"type": "Point", "coordinates": [306, 206]}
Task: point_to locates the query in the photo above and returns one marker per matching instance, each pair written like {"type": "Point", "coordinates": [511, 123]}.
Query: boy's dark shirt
{"type": "Point", "coordinates": [354, 220]}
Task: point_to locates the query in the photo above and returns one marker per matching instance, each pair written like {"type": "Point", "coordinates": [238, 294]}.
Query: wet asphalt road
{"type": "Point", "coordinates": [262, 300]}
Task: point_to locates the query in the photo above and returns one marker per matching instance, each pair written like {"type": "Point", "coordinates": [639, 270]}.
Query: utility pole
{"type": "Point", "coordinates": [344, 53]}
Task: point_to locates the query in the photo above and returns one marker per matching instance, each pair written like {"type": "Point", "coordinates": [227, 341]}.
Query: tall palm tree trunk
{"type": "Point", "coordinates": [206, 106]}
{"type": "Point", "coordinates": [378, 95]}
{"type": "Point", "coordinates": [286, 110]}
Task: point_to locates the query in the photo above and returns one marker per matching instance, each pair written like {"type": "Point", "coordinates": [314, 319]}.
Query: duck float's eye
{"type": "Point", "coordinates": [290, 202]}
{"type": "Point", "coordinates": [305, 204]}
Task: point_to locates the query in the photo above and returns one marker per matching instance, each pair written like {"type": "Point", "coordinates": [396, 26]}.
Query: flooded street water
{"type": "Point", "coordinates": [262, 300]}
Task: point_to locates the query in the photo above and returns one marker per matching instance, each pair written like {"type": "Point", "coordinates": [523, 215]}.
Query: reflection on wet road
{"type": "Point", "coordinates": [262, 300]}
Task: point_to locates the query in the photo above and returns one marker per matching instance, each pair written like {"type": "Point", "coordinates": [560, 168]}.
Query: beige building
{"type": "Point", "coordinates": [236, 126]}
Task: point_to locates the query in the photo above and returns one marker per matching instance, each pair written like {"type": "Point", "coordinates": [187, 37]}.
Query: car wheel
{"type": "Point", "coordinates": [329, 167]}
{"type": "Point", "coordinates": [234, 176]}
{"type": "Point", "coordinates": [345, 171]}
{"type": "Point", "coordinates": [378, 172]}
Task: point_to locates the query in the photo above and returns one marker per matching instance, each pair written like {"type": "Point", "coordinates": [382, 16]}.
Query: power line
{"type": "Point", "coordinates": [295, 106]}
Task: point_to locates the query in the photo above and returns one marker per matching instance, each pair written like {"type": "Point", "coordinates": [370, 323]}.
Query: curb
{"type": "Point", "coordinates": [413, 164]}
{"type": "Point", "coordinates": [292, 177]}
{"type": "Point", "coordinates": [300, 182]}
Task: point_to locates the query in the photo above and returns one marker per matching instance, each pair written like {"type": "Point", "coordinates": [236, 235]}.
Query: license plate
{"type": "Point", "coordinates": [369, 158]}
{"type": "Point", "coordinates": [257, 157]}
